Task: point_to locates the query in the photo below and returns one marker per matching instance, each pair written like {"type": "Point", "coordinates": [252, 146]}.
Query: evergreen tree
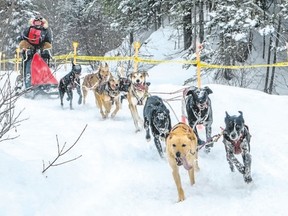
{"type": "Point", "coordinates": [14, 17]}
{"type": "Point", "coordinates": [232, 25]}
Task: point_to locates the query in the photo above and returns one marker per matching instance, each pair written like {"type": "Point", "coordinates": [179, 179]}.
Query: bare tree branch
{"type": "Point", "coordinates": [61, 152]}
{"type": "Point", "coordinates": [9, 118]}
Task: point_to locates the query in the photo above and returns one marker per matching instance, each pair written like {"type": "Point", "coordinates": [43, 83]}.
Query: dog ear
{"type": "Point", "coordinates": [169, 136]}
{"type": "Point", "coordinates": [208, 90]}
{"type": "Point", "coordinates": [191, 136]}
{"type": "Point", "coordinates": [241, 115]}
{"type": "Point", "coordinates": [190, 90]}
{"type": "Point", "coordinates": [129, 76]}
{"type": "Point", "coordinates": [227, 117]}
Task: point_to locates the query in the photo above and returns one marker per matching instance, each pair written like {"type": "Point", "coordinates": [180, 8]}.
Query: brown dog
{"type": "Point", "coordinates": [181, 148]}
{"type": "Point", "coordinates": [95, 81]}
{"type": "Point", "coordinates": [137, 95]}
{"type": "Point", "coordinates": [108, 96]}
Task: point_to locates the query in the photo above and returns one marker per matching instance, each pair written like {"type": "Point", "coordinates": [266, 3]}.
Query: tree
{"type": "Point", "coordinates": [233, 23]}
{"type": "Point", "coordinates": [14, 16]}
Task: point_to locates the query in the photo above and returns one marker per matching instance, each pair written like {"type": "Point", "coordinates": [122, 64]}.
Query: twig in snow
{"type": "Point", "coordinates": [61, 152]}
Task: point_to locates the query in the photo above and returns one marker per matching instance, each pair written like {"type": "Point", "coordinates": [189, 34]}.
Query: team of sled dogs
{"type": "Point", "coordinates": [182, 140]}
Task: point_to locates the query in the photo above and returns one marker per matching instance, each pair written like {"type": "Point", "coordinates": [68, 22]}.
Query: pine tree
{"type": "Point", "coordinates": [232, 25]}
{"type": "Point", "coordinates": [14, 17]}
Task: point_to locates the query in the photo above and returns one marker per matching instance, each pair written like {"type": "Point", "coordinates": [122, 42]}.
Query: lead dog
{"type": "Point", "coordinates": [157, 117]}
{"type": "Point", "coordinates": [236, 139]}
{"type": "Point", "coordinates": [110, 95]}
{"type": "Point", "coordinates": [199, 111]}
{"type": "Point", "coordinates": [69, 82]}
{"type": "Point", "coordinates": [137, 95]}
{"type": "Point", "coordinates": [181, 147]}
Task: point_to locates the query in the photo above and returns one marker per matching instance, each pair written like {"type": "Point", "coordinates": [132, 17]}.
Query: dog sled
{"type": "Point", "coordinates": [36, 77]}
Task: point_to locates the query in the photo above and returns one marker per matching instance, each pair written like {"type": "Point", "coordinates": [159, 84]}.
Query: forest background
{"type": "Point", "coordinates": [233, 33]}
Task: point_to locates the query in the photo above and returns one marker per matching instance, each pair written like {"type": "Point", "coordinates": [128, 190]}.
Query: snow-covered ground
{"type": "Point", "coordinates": [120, 173]}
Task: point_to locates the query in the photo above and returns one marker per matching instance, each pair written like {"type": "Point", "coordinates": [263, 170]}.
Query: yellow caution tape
{"type": "Point", "coordinates": [279, 64]}
{"type": "Point", "coordinates": [152, 61]}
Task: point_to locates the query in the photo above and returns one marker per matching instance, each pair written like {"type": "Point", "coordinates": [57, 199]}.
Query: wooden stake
{"type": "Point", "coordinates": [136, 47]}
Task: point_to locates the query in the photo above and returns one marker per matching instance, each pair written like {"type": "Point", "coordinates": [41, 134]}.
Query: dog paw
{"type": "Point", "coordinates": [148, 138]}
{"type": "Point", "coordinates": [80, 100]}
{"type": "Point", "coordinates": [200, 142]}
{"type": "Point", "coordinates": [181, 196]}
{"type": "Point", "coordinates": [248, 179]}
{"type": "Point", "coordinates": [207, 149]}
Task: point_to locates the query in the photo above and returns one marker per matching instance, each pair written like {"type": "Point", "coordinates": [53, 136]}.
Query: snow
{"type": "Point", "coordinates": [120, 173]}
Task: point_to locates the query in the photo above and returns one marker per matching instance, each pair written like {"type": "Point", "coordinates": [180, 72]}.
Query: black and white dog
{"type": "Point", "coordinates": [199, 111]}
{"type": "Point", "coordinates": [157, 117]}
{"type": "Point", "coordinates": [236, 139]}
{"type": "Point", "coordinates": [69, 82]}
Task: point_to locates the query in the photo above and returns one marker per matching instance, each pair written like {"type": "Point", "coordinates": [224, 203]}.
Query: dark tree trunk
{"type": "Point", "coordinates": [275, 56]}
{"type": "Point", "coordinates": [187, 29]}
{"type": "Point", "coordinates": [201, 21]}
{"type": "Point", "coordinates": [268, 68]}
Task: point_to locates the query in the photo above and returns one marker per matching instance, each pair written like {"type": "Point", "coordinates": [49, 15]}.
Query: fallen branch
{"type": "Point", "coordinates": [61, 152]}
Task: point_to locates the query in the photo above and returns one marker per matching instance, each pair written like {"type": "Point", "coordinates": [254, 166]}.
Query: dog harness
{"type": "Point", "coordinates": [141, 88]}
{"type": "Point", "coordinates": [163, 131]}
{"type": "Point", "coordinates": [200, 119]}
{"type": "Point", "coordinates": [111, 92]}
{"type": "Point", "coordinates": [236, 143]}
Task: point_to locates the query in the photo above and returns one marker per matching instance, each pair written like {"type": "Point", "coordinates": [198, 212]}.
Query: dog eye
{"type": "Point", "coordinates": [183, 145]}
{"type": "Point", "coordinates": [174, 145]}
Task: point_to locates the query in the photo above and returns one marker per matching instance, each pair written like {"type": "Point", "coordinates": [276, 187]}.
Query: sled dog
{"type": "Point", "coordinates": [181, 148]}
{"type": "Point", "coordinates": [157, 118]}
{"type": "Point", "coordinates": [236, 139]}
{"type": "Point", "coordinates": [137, 95]}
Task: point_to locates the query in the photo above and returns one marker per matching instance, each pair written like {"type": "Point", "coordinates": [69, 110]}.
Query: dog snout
{"type": "Point", "coordinates": [233, 135]}
{"type": "Point", "coordinates": [137, 81]}
{"type": "Point", "coordinates": [178, 154]}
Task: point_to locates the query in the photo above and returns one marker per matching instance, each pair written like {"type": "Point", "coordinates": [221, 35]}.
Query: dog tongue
{"type": "Point", "coordinates": [186, 165]}
{"type": "Point", "coordinates": [140, 86]}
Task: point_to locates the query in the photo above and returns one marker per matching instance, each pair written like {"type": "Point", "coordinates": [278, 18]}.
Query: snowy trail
{"type": "Point", "coordinates": [119, 173]}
